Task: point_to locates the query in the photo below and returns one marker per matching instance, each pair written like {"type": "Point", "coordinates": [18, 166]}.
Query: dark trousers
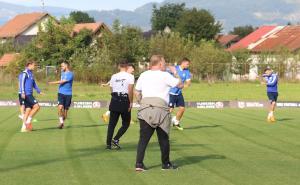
{"type": "Point", "coordinates": [113, 120]}
{"type": "Point", "coordinates": [146, 131]}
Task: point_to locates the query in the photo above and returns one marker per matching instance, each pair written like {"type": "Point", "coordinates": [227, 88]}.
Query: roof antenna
{"type": "Point", "coordinates": [43, 5]}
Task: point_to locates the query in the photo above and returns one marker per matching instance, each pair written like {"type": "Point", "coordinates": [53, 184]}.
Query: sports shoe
{"type": "Point", "coordinates": [108, 147]}
{"type": "Point", "coordinates": [23, 129]}
{"type": "Point", "coordinates": [169, 166]}
{"type": "Point", "coordinates": [28, 127]}
{"type": "Point", "coordinates": [105, 118]}
{"type": "Point", "coordinates": [61, 126]}
{"type": "Point", "coordinates": [273, 119]}
{"type": "Point", "coordinates": [140, 167]}
{"type": "Point", "coordinates": [116, 143]}
{"type": "Point", "coordinates": [178, 127]}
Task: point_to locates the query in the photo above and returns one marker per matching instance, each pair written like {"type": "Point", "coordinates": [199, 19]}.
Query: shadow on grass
{"type": "Point", "coordinates": [73, 126]}
{"type": "Point", "coordinates": [192, 160]}
{"type": "Point", "coordinates": [48, 161]}
{"type": "Point", "coordinates": [202, 126]}
{"type": "Point", "coordinates": [285, 119]}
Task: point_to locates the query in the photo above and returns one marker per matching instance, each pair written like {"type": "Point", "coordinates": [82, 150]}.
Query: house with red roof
{"type": "Point", "coordinates": [97, 28]}
{"type": "Point", "coordinates": [286, 38]}
{"type": "Point", "coordinates": [227, 40]}
{"type": "Point", "coordinates": [7, 58]}
{"type": "Point", "coordinates": [253, 37]}
{"type": "Point", "coordinates": [23, 28]}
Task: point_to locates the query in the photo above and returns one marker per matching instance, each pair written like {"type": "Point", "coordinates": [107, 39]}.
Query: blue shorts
{"type": "Point", "coordinates": [21, 100]}
{"type": "Point", "coordinates": [30, 101]}
{"type": "Point", "coordinates": [176, 100]}
{"type": "Point", "coordinates": [64, 100]}
{"type": "Point", "coordinates": [272, 96]}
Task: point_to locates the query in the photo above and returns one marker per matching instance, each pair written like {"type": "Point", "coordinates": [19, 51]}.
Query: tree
{"type": "Point", "coordinates": [166, 15]}
{"type": "Point", "coordinates": [81, 17]}
{"type": "Point", "coordinates": [126, 42]}
{"type": "Point", "coordinates": [172, 46]}
{"type": "Point", "coordinates": [242, 31]}
{"type": "Point", "coordinates": [209, 61]}
{"type": "Point", "coordinates": [198, 23]}
{"type": "Point", "coordinates": [241, 62]}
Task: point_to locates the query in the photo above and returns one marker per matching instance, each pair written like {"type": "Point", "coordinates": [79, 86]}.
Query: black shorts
{"type": "Point", "coordinates": [21, 100]}
{"type": "Point", "coordinates": [176, 100]}
{"type": "Point", "coordinates": [273, 96]}
{"type": "Point", "coordinates": [30, 101]}
{"type": "Point", "coordinates": [64, 100]}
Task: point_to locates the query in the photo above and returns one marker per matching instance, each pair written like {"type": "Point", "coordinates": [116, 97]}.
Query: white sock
{"type": "Point", "coordinates": [28, 120]}
{"type": "Point", "coordinates": [271, 113]}
{"type": "Point", "coordinates": [107, 113]}
{"type": "Point", "coordinates": [23, 126]}
{"type": "Point", "coordinates": [175, 121]}
{"type": "Point", "coordinates": [61, 120]}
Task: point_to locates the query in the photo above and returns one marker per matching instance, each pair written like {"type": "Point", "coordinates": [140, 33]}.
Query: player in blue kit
{"type": "Point", "coordinates": [176, 97]}
{"type": "Point", "coordinates": [27, 84]}
{"type": "Point", "coordinates": [64, 92]}
{"type": "Point", "coordinates": [271, 81]}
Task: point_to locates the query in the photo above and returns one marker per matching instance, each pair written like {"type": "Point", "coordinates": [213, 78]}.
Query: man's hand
{"type": "Point", "coordinates": [23, 96]}
{"type": "Point", "coordinates": [50, 83]}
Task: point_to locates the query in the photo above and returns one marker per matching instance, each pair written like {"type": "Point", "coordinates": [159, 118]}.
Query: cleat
{"type": "Point", "coordinates": [23, 130]}
{"type": "Point", "coordinates": [169, 166]}
{"type": "Point", "coordinates": [61, 126]}
{"type": "Point", "coordinates": [105, 118]}
{"type": "Point", "coordinates": [108, 147]}
{"type": "Point", "coordinates": [116, 144]}
{"type": "Point", "coordinates": [140, 167]}
{"type": "Point", "coordinates": [28, 127]}
{"type": "Point", "coordinates": [178, 127]}
{"type": "Point", "coordinates": [272, 119]}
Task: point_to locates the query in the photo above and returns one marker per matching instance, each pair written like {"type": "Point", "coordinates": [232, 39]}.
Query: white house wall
{"type": "Point", "coordinates": [33, 30]}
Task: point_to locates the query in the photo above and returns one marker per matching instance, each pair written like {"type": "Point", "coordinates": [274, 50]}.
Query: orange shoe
{"type": "Point", "coordinates": [29, 127]}
{"type": "Point", "coordinates": [273, 119]}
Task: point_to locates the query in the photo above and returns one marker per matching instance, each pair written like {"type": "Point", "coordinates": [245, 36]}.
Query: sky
{"type": "Point", "coordinates": [86, 4]}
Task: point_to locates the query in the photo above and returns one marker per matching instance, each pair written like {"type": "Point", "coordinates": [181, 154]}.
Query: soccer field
{"type": "Point", "coordinates": [217, 147]}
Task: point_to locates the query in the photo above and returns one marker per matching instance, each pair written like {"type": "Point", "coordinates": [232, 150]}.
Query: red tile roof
{"type": "Point", "coordinates": [7, 58]}
{"type": "Point", "coordinates": [288, 37]}
{"type": "Point", "coordinates": [19, 24]}
{"type": "Point", "coordinates": [94, 27]}
{"type": "Point", "coordinates": [252, 38]}
{"type": "Point", "coordinates": [226, 39]}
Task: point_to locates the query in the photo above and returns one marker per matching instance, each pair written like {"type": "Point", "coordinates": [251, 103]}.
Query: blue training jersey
{"type": "Point", "coordinates": [66, 88]}
{"type": "Point", "coordinates": [272, 82]}
{"type": "Point", "coordinates": [27, 83]}
{"type": "Point", "coordinates": [184, 75]}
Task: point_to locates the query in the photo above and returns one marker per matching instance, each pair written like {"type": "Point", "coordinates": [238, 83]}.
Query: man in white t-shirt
{"type": "Point", "coordinates": [155, 85]}
{"type": "Point", "coordinates": [120, 105]}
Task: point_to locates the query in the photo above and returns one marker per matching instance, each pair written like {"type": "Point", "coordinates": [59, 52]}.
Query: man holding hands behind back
{"type": "Point", "coordinates": [152, 91]}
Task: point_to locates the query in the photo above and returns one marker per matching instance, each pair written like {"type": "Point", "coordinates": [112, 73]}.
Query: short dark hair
{"type": "Point", "coordinates": [29, 62]}
{"type": "Point", "coordinates": [123, 64]}
{"type": "Point", "coordinates": [66, 62]}
{"type": "Point", "coordinates": [267, 69]}
{"type": "Point", "coordinates": [131, 65]}
{"type": "Point", "coordinates": [184, 59]}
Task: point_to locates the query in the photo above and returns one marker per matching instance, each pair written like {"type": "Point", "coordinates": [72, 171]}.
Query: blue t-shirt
{"type": "Point", "coordinates": [272, 82]}
{"type": "Point", "coordinates": [66, 88]}
{"type": "Point", "coordinates": [184, 75]}
{"type": "Point", "coordinates": [27, 83]}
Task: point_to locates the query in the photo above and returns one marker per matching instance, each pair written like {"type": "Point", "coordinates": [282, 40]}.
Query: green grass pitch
{"type": "Point", "coordinates": [217, 147]}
